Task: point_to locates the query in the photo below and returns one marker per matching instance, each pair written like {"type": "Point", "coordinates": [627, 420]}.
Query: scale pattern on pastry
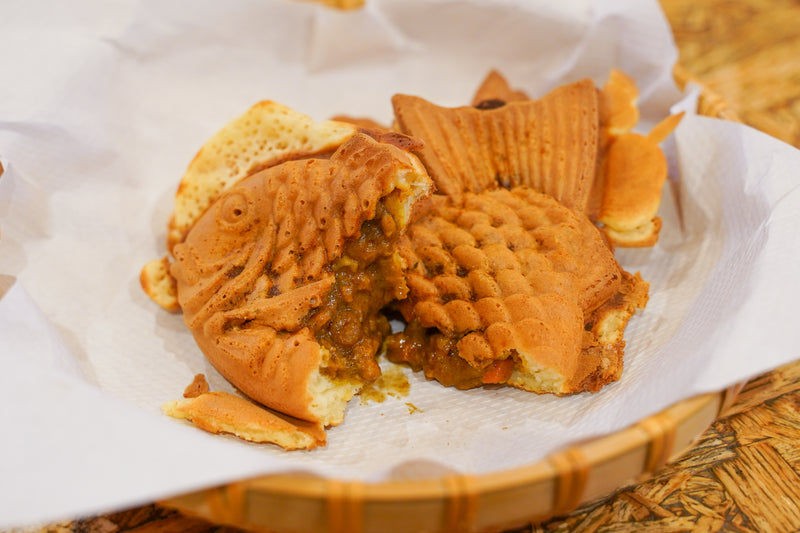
{"type": "Point", "coordinates": [548, 144]}
{"type": "Point", "coordinates": [631, 168]}
{"type": "Point", "coordinates": [264, 135]}
{"type": "Point", "coordinates": [281, 280]}
{"type": "Point", "coordinates": [509, 286]}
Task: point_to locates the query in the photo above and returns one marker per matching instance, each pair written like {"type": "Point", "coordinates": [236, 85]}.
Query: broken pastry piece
{"type": "Point", "coordinates": [282, 279]}
{"type": "Point", "coordinates": [619, 111]}
{"type": "Point", "coordinates": [631, 170]}
{"type": "Point", "coordinates": [158, 283]}
{"type": "Point", "coordinates": [631, 177]}
{"type": "Point", "coordinates": [509, 286]}
{"type": "Point", "coordinates": [198, 386]}
{"type": "Point", "coordinates": [495, 91]}
{"type": "Point", "coordinates": [319, 229]}
{"type": "Point", "coordinates": [223, 412]}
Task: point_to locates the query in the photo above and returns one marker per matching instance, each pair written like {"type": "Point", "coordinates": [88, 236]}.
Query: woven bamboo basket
{"type": "Point", "coordinates": [461, 502]}
{"type": "Point", "coordinates": [490, 502]}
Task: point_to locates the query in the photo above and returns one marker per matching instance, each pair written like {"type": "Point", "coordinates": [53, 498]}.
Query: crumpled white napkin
{"type": "Point", "coordinates": [104, 106]}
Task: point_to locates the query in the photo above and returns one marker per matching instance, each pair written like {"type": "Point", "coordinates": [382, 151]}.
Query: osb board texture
{"type": "Point", "coordinates": [745, 52]}
{"type": "Point", "coordinates": [743, 475]}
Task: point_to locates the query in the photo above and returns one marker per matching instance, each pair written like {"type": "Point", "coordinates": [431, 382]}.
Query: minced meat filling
{"type": "Point", "coordinates": [350, 325]}
{"type": "Point", "coordinates": [435, 354]}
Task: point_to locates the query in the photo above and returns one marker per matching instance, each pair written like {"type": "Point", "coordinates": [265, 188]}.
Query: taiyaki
{"type": "Point", "coordinates": [282, 278]}
{"type": "Point", "coordinates": [510, 286]}
{"type": "Point", "coordinates": [576, 143]}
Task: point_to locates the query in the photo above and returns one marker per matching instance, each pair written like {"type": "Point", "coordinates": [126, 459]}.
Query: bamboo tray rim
{"type": "Point", "coordinates": [462, 502]}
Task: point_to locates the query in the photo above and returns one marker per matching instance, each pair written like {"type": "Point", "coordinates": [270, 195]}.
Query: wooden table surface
{"type": "Point", "coordinates": [744, 473]}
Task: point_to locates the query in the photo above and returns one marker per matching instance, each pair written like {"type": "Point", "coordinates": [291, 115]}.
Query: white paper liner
{"type": "Point", "coordinates": [106, 105]}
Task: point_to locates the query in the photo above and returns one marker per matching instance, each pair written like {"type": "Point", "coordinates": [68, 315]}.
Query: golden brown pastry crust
{"type": "Point", "coordinates": [265, 135]}
{"type": "Point", "coordinates": [603, 348]}
{"type": "Point", "coordinates": [198, 386]}
{"type": "Point", "coordinates": [575, 143]}
{"type": "Point", "coordinates": [158, 283]}
{"type": "Point", "coordinates": [548, 144]}
{"type": "Point", "coordinates": [223, 412]}
{"type": "Point", "coordinates": [256, 265]}
{"type": "Point", "coordinates": [494, 90]}
{"type": "Point", "coordinates": [461, 330]}
{"type": "Point", "coordinates": [630, 180]}
{"type": "Point", "coordinates": [509, 275]}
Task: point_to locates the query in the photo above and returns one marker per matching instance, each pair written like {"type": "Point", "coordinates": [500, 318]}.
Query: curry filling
{"type": "Point", "coordinates": [436, 354]}
{"type": "Point", "coordinates": [350, 324]}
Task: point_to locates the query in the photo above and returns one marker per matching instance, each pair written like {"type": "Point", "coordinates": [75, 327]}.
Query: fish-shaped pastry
{"type": "Point", "coordinates": [282, 278]}
{"type": "Point", "coordinates": [507, 286]}
{"type": "Point", "coordinates": [575, 143]}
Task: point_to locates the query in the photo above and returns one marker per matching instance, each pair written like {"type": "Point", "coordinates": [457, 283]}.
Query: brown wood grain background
{"type": "Point", "coordinates": [743, 475]}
